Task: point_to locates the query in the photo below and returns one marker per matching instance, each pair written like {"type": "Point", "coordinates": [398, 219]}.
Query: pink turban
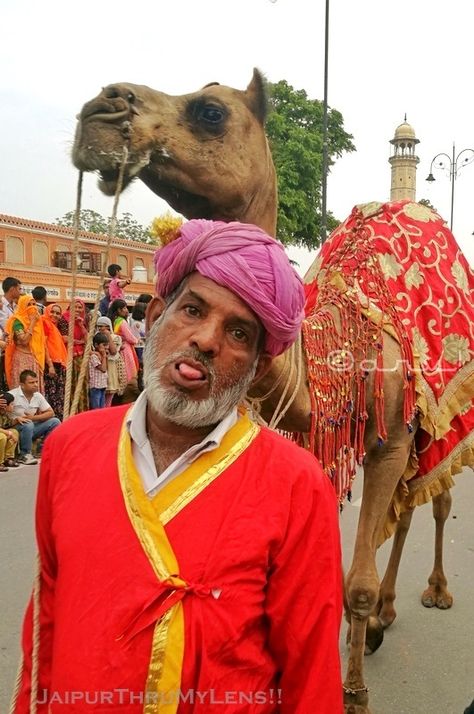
{"type": "Point", "coordinates": [244, 259]}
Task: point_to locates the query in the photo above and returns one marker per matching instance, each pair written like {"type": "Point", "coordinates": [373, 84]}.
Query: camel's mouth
{"type": "Point", "coordinates": [189, 204]}
{"type": "Point", "coordinates": [109, 180]}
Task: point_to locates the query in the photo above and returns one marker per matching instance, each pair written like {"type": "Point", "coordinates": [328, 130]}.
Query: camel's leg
{"type": "Point", "coordinates": [383, 468]}
{"type": "Point", "coordinates": [386, 610]}
{"type": "Point", "coordinates": [437, 595]}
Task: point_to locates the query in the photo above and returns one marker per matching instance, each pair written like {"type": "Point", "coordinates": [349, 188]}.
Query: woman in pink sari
{"type": "Point", "coordinates": [118, 313]}
{"type": "Point", "coordinates": [79, 341]}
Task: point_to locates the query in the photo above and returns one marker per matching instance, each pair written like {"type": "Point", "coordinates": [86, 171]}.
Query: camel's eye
{"type": "Point", "coordinates": [212, 114]}
{"type": "Point", "coordinates": [130, 97]}
{"type": "Point", "coordinates": [206, 115]}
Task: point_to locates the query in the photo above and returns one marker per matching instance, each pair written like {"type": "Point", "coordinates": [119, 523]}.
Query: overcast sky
{"type": "Point", "coordinates": [385, 59]}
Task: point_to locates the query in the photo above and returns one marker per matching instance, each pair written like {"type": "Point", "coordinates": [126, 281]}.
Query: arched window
{"type": "Point", "coordinates": [15, 250]}
{"type": "Point", "coordinates": [122, 260]}
{"type": "Point", "coordinates": [40, 253]}
{"type": "Point", "coordinates": [139, 262]}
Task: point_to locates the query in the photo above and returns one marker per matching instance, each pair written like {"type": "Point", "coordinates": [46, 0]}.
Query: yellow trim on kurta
{"type": "Point", "coordinates": [148, 517]}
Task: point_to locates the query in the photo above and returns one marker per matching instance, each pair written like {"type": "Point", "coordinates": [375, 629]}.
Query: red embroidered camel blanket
{"type": "Point", "coordinates": [398, 265]}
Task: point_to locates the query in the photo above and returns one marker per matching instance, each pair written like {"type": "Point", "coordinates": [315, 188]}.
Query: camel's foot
{"type": "Point", "coordinates": [356, 701]}
{"type": "Point", "coordinates": [437, 596]}
{"type": "Point", "coordinates": [373, 635]}
{"type": "Point", "coordinates": [386, 613]}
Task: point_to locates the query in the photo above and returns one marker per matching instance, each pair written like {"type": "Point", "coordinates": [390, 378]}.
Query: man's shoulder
{"type": "Point", "coordinates": [16, 392]}
{"type": "Point", "coordinates": [90, 422]}
{"type": "Point", "coordinates": [282, 449]}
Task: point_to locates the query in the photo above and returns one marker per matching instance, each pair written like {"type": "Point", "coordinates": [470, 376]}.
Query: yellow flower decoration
{"type": "Point", "coordinates": [456, 349]}
{"type": "Point", "coordinates": [391, 268]}
{"type": "Point", "coordinates": [414, 277]}
{"type": "Point", "coordinates": [420, 346]}
{"type": "Point", "coordinates": [418, 212]}
{"type": "Point", "coordinates": [460, 277]}
{"type": "Point", "coordinates": [166, 228]}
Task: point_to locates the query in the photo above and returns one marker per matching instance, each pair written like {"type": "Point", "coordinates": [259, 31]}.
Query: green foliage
{"type": "Point", "coordinates": [295, 131]}
{"type": "Point", "coordinates": [126, 226]}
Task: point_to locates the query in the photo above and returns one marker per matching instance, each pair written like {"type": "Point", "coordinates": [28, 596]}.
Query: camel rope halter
{"type": "Point", "coordinates": [70, 409]}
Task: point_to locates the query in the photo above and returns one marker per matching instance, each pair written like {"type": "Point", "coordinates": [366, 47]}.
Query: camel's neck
{"type": "Point", "coordinates": [262, 208]}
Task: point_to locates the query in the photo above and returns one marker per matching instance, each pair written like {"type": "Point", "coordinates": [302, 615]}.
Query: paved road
{"type": "Point", "coordinates": [426, 663]}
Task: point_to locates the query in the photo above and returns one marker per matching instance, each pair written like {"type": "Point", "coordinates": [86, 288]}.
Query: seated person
{"type": "Point", "coordinates": [32, 415]}
{"type": "Point", "coordinates": [8, 435]}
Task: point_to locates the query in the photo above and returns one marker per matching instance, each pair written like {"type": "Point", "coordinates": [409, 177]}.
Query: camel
{"type": "Point", "coordinates": [207, 155]}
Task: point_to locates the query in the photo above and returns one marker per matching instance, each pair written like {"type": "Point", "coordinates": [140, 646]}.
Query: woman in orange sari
{"type": "Point", "coordinates": [26, 348]}
{"type": "Point", "coordinates": [54, 383]}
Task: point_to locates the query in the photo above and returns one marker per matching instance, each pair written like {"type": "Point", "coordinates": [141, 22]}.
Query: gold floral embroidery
{"type": "Point", "coordinates": [414, 277]}
{"type": "Point", "coordinates": [390, 266]}
{"type": "Point", "coordinates": [420, 346]}
{"type": "Point", "coordinates": [370, 209]}
{"type": "Point", "coordinates": [460, 277]}
{"type": "Point", "coordinates": [420, 213]}
{"type": "Point", "coordinates": [313, 270]}
{"type": "Point", "coordinates": [456, 349]}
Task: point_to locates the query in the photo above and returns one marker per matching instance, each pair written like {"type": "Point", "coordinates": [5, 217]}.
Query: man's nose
{"type": "Point", "coordinates": [207, 338]}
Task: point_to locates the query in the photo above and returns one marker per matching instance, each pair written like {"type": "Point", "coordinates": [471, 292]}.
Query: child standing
{"type": "Point", "coordinates": [116, 375]}
{"type": "Point", "coordinates": [117, 283]}
{"type": "Point", "coordinates": [98, 371]}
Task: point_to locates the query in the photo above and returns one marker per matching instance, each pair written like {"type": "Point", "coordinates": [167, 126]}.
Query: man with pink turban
{"type": "Point", "coordinates": [190, 559]}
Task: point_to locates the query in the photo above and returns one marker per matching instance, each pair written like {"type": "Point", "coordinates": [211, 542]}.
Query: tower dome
{"type": "Point", "coordinates": [403, 161]}
{"type": "Point", "coordinates": [405, 131]}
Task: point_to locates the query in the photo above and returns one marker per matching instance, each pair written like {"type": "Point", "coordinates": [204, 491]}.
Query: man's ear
{"type": "Point", "coordinates": [153, 311]}
{"type": "Point", "coordinates": [263, 366]}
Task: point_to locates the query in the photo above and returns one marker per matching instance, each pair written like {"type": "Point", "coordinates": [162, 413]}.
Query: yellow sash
{"type": "Point", "coordinates": [148, 517]}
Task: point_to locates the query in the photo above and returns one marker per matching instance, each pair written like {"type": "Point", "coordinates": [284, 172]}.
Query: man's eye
{"type": "Point", "coordinates": [191, 310]}
{"type": "Point", "coordinates": [240, 335]}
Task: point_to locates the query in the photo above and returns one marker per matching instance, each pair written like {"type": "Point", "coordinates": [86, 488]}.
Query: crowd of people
{"type": "Point", "coordinates": [34, 345]}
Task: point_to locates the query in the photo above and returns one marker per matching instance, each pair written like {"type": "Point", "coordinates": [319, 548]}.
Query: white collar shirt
{"type": "Point", "coordinates": [6, 310]}
{"type": "Point", "coordinates": [22, 406]}
{"type": "Point", "coordinates": [143, 455]}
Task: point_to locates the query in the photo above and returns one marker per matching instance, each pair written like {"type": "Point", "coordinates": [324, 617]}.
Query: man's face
{"type": "Point", "coordinates": [15, 292]}
{"type": "Point", "coordinates": [30, 385]}
{"type": "Point", "coordinates": [202, 354]}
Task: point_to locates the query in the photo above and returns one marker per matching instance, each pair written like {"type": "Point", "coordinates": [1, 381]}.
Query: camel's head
{"type": "Point", "coordinates": [205, 153]}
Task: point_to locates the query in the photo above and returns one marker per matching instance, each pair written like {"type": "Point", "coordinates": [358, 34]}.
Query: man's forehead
{"type": "Point", "coordinates": [213, 294]}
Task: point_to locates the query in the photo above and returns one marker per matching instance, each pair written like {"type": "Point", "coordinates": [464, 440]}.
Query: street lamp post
{"type": "Point", "coordinates": [454, 165]}
{"type": "Point", "coordinates": [324, 182]}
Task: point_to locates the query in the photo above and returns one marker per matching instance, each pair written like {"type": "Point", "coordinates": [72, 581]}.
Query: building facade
{"type": "Point", "coordinates": [42, 254]}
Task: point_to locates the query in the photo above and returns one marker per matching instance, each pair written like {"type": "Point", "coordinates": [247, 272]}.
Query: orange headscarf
{"type": "Point", "coordinates": [56, 347]}
{"type": "Point", "coordinates": [23, 314]}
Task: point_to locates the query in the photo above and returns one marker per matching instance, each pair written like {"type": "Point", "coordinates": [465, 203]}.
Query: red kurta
{"type": "Point", "coordinates": [260, 546]}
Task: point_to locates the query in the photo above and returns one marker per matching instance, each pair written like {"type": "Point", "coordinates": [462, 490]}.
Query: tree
{"type": "Point", "coordinates": [294, 129]}
{"type": "Point", "coordinates": [91, 221]}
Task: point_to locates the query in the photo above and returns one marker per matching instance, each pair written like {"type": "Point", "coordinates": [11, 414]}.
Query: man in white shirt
{"type": "Point", "coordinates": [11, 292]}
{"type": "Point", "coordinates": [33, 417]}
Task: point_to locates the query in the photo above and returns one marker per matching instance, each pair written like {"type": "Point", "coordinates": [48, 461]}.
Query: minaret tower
{"type": "Point", "coordinates": [403, 161]}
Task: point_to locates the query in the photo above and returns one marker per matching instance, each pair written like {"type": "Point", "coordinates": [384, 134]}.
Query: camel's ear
{"type": "Point", "coordinates": [257, 96]}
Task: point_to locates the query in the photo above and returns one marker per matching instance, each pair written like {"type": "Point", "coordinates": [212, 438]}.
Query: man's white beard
{"type": "Point", "coordinates": [177, 406]}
